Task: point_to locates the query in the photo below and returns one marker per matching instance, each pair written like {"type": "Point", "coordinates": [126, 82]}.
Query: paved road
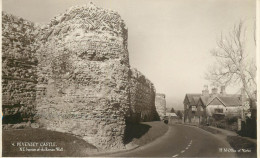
{"type": "Point", "coordinates": [182, 141]}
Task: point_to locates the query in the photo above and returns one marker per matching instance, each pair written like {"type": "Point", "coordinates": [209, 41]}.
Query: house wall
{"type": "Point", "coordinates": [186, 109]}
{"type": "Point", "coordinates": [210, 109]}
{"type": "Point", "coordinates": [233, 111]}
{"type": "Point", "coordinates": [192, 116]}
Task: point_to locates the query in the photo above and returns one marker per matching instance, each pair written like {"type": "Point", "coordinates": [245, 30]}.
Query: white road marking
{"type": "Point", "coordinates": [184, 149]}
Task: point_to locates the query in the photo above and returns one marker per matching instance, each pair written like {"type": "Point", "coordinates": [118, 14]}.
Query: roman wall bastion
{"type": "Point", "coordinates": [73, 75]}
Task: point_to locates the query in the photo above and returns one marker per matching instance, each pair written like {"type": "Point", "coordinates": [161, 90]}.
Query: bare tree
{"type": "Point", "coordinates": [234, 65]}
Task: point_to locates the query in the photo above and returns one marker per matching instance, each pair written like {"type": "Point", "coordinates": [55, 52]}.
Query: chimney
{"type": "Point", "coordinates": [214, 91]}
{"type": "Point", "coordinates": [223, 90]}
{"type": "Point", "coordinates": [205, 91]}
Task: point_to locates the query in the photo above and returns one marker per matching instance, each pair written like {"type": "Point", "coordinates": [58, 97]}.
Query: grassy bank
{"type": "Point", "coordinates": [23, 143]}
{"type": "Point", "coordinates": [211, 130]}
{"type": "Point", "coordinates": [145, 132]}
{"type": "Point", "coordinates": [40, 142]}
{"type": "Point", "coordinates": [244, 147]}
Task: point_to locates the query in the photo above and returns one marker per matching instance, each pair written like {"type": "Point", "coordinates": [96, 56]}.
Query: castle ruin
{"type": "Point", "coordinates": [73, 75]}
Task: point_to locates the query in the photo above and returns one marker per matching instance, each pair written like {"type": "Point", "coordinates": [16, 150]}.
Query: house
{"type": "Point", "coordinates": [224, 105]}
{"type": "Point", "coordinates": [173, 118]}
{"type": "Point", "coordinates": [200, 107]}
{"type": "Point", "coordinates": [191, 111]}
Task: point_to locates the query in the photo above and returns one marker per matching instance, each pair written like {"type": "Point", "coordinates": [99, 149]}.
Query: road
{"type": "Point", "coordinates": [182, 141]}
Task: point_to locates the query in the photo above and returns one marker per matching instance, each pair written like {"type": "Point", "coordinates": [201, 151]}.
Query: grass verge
{"type": "Point", "coordinates": [148, 133]}
{"type": "Point", "coordinates": [211, 130]}
{"type": "Point", "coordinates": [244, 148]}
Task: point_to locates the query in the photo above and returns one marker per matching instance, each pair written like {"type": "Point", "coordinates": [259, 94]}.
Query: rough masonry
{"type": "Point", "coordinates": [160, 104]}
{"type": "Point", "coordinates": [73, 75]}
{"type": "Point", "coordinates": [18, 69]}
{"type": "Point", "coordinates": [142, 98]}
{"type": "Point", "coordinates": [83, 72]}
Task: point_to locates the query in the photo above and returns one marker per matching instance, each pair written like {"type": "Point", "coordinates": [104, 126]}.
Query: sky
{"type": "Point", "coordinates": [169, 41]}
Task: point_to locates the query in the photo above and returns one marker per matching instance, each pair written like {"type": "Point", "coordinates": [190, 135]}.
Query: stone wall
{"type": "Point", "coordinates": [160, 104]}
{"type": "Point", "coordinates": [73, 75]}
{"type": "Point", "coordinates": [83, 72]}
{"type": "Point", "coordinates": [142, 98]}
{"type": "Point", "coordinates": [18, 69]}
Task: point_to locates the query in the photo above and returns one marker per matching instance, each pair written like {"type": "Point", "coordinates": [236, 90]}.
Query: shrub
{"type": "Point", "coordinates": [231, 120]}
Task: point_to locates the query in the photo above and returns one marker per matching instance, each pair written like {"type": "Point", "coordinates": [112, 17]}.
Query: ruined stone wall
{"type": "Point", "coordinates": [142, 98]}
{"type": "Point", "coordinates": [73, 75]}
{"type": "Point", "coordinates": [160, 104]}
{"type": "Point", "coordinates": [18, 69]}
{"type": "Point", "coordinates": [83, 76]}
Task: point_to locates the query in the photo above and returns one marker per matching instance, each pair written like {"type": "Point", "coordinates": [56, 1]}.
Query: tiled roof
{"type": "Point", "coordinates": [196, 99]}
{"type": "Point", "coordinates": [230, 101]}
{"type": "Point", "coordinates": [204, 99]}
{"type": "Point", "coordinates": [193, 98]}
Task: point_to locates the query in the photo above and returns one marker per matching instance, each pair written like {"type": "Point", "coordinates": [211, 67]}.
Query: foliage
{"type": "Point", "coordinates": [234, 63]}
{"type": "Point", "coordinates": [231, 120]}
{"type": "Point", "coordinates": [172, 110]}
{"type": "Point", "coordinates": [179, 114]}
{"type": "Point", "coordinates": [249, 128]}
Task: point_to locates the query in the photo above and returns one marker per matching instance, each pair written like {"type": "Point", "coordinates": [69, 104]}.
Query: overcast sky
{"type": "Point", "coordinates": [169, 40]}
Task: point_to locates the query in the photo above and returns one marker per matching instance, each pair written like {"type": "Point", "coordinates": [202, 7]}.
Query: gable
{"type": "Point", "coordinates": [215, 101]}
{"type": "Point", "coordinates": [192, 99]}
{"type": "Point", "coordinates": [195, 100]}
{"type": "Point", "coordinates": [204, 100]}
{"type": "Point", "coordinates": [201, 104]}
{"type": "Point", "coordinates": [186, 100]}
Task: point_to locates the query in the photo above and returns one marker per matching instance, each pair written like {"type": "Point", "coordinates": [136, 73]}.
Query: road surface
{"type": "Point", "coordinates": [183, 141]}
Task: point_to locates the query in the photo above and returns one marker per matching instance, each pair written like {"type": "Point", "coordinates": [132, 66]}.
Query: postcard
{"type": "Point", "coordinates": [129, 78]}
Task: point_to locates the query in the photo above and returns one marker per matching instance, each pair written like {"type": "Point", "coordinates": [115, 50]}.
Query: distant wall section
{"type": "Point", "coordinates": [142, 98]}
{"type": "Point", "coordinates": [160, 104]}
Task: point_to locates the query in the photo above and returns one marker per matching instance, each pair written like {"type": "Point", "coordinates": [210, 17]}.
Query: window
{"type": "Point", "coordinates": [218, 110]}
{"type": "Point", "coordinates": [193, 108]}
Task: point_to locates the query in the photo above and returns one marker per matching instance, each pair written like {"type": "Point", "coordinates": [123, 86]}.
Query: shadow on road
{"type": "Point", "coordinates": [134, 130]}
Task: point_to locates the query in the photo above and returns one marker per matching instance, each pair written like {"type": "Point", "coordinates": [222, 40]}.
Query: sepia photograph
{"type": "Point", "coordinates": [129, 78]}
